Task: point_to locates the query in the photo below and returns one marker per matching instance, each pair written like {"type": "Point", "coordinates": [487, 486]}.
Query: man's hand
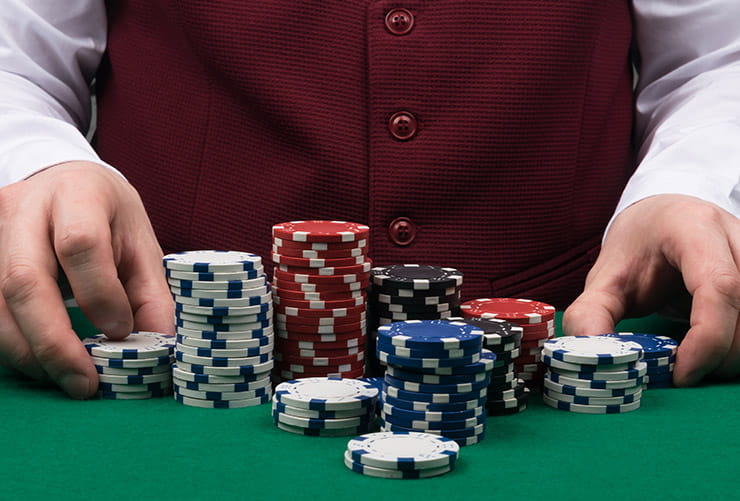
{"type": "Point", "coordinates": [653, 250]}
{"type": "Point", "coordinates": [90, 221]}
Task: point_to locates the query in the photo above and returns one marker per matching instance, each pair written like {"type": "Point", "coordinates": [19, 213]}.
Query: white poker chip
{"type": "Point", "coordinates": [595, 350]}
{"type": "Point", "coordinates": [212, 261]}
{"type": "Point", "coordinates": [373, 471]}
{"type": "Point", "coordinates": [221, 404]}
{"type": "Point", "coordinates": [409, 450]}
{"type": "Point", "coordinates": [326, 393]}
{"type": "Point", "coordinates": [591, 409]}
{"type": "Point", "coordinates": [136, 345]}
{"type": "Point", "coordinates": [223, 395]}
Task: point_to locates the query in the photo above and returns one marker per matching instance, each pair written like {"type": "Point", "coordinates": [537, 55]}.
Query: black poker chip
{"type": "Point", "coordinates": [415, 276]}
{"type": "Point", "coordinates": [495, 330]}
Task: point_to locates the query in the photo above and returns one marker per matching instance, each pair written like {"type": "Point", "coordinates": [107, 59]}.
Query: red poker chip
{"type": "Point", "coordinates": [317, 304]}
{"type": "Point", "coordinates": [321, 231]}
{"type": "Point", "coordinates": [317, 296]}
{"type": "Point", "coordinates": [290, 344]}
{"type": "Point", "coordinates": [292, 351]}
{"type": "Point", "coordinates": [312, 370]}
{"type": "Point", "coordinates": [544, 326]}
{"type": "Point", "coordinates": [309, 313]}
{"type": "Point", "coordinates": [527, 359]}
{"type": "Point", "coordinates": [323, 288]}
{"type": "Point", "coordinates": [320, 361]}
{"type": "Point", "coordinates": [364, 266]}
{"type": "Point", "coordinates": [303, 278]}
{"type": "Point", "coordinates": [520, 311]}
{"type": "Point", "coordinates": [359, 326]}
{"type": "Point", "coordinates": [289, 375]}
{"type": "Point", "coordinates": [322, 263]}
{"type": "Point", "coordinates": [318, 246]}
{"type": "Point", "coordinates": [350, 338]}
{"type": "Point", "coordinates": [317, 254]}
{"type": "Point", "coordinates": [533, 343]}
{"type": "Point", "coordinates": [537, 336]}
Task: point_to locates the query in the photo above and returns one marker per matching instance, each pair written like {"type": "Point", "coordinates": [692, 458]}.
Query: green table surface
{"type": "Point", "coordinates": [681, 444]}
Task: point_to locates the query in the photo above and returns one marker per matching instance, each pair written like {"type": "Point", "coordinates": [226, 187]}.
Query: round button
{"type": "Point", "coordinates": [399, 21]}
{"type": "Point", "coordinates": [403, 125]}
{"type": "Point", "coordinates": [402, 231]}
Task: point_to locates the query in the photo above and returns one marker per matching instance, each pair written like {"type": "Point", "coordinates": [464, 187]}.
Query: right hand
{"type": "Point", "coordinates": [91, 222]}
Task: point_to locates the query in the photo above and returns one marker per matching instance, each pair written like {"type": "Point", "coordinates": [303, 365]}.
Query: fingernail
{"type": "Point", "coordinates": [115, 328]}
{"type": "Point", "coordinates": [76, 385]}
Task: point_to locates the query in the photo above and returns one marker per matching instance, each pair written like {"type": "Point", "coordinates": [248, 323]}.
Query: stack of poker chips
{"type": "Point", "coordinates": [401, 455]}
{"type": "Point", "coordinates": [436, 378]}
{"type": "Point", "coordinates": [411, 292]}
{"type": "Point", "coordinates": [223, 320]}
{"type": "Point", "coordinates": [325, 406]}
{"type": "Point", "coordinates": [321, 272]}
{"type": "Point", "coordinates": [658, 353]}
{"type": "Point", "coordinates": [507, 394]}
{"type": "Point", "coordinates": [134, 368]}
{"type": "Point", "coordinates": [593, 374]}
{"type": "Point", "coordinates": [537, 319]}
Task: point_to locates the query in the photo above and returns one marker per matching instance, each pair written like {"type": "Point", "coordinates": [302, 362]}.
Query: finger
{"type": "Point", "coordinates": [30, 290]}
{"type": "Point", "coordinates": [15, 351]}
{"type": "Point", "coordinates": [600, 306]}
{"type": "Point", "coordinates": [82, 241]}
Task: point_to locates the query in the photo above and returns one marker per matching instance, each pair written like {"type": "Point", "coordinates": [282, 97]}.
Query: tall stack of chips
{"type": "Point", "coordinates": [436, 378]}
{"type": "Point", "coordinates": [321, 272]}
{"type": "Point", "coordinates": [658, 353]}
{"type": "Point", "coordinates": [134, 368]}
{"type": "Point", "coordinates": [223, 320]}
{"type": "Point", "coordinates": [507, 394]}
{"type": "Point", "coordinates": [325, 406]}
{"type": "Point", "coordinates": [593, 374]}
{"type": "Point", "coordinates": [537, 320]}
{"type": "Point", "coordinates": [401, 455]}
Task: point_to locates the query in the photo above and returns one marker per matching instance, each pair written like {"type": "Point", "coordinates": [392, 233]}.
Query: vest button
{"type": "Point", "coordinates": [402, 231]}
{"type": "Point", "coordinates": [399, 21]}
{"type": "Point", "coordinates": [402, 125]}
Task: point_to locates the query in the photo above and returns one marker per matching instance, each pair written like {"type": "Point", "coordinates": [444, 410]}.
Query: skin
{"type": "Point", "coordinates": [93, 223]}
{"type": "Point", "coordinates": [656, 249]}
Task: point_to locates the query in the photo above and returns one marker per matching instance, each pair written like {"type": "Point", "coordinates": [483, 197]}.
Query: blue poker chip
{"type": "Point", "coordinates": [427, 352]}
{"type": "Point", "coordinates": [435, 388]}
{"type": "Point", "coordinates": [666, 377]}
{"type": "Point", "coordinates": [434, 397]}
{"type": "Point", "coordinates": [426, 363]}
{"type": "Point", "coordinates": [485, 364]}
{"type": "Point", "coordinates": [431, 334]}
{"type": "Point", "coordinates": [204, 261]}
{"type": "Point", "coordinates": [662, 369]}
{"type": "Point", "coordinates": [659, 362]}
{"type": "Point", "coordinates": [452, 434]}
{"type": "Point", "coordinates": [431, 406]}
{"type": "Point", "coordinates": [375, 382]}
{"type": "Point", "coordinates": [653, 346]}
{"type": "Point", "coordinates": [420, 377]}
{"type": "Point", "coordinates": [420, 424]}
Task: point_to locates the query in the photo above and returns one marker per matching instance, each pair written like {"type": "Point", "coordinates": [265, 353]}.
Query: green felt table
{"type": "Point", "coordinates": [682, 444]}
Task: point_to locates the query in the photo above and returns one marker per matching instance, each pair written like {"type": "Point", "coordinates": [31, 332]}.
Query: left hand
{"type": "Point", "coordinates": [653, 250]}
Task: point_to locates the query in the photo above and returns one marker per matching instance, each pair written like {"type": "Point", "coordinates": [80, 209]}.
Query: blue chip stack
{"type": "Point", "coordinates": [223, 320]}
{"type": "Point", "coordinates": [593, 374]}
{"type": "Point", "coordinates": [658, 353]}
{"type": "Point", "coordinates": [325, 406]}
{"type": "Point", "coordinates": [134, 368]}
{"type": "Point", "coordinates": [436, 379]}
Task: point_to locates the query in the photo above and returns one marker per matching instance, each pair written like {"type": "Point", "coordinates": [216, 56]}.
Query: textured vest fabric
{"type": "Point", "coordinates": [232, 115]}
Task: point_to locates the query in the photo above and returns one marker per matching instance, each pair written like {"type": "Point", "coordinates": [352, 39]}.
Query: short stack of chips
{"type": "Point", "coordinates": [401, 455]}
{"type": "Point", "coordinates": [223, 320]}
{"type": "Point", "coordinates": [536, 318]}
{"type": "Point", "coordinates": [593, 374]}
{"type": "Point", "coordinates": [321, 273]}
{"type": "Point", "coordinates": [436, 379]}
{"type": "Point", "coordinates": [507, 394]}
{"type": "Point", "coordinates": [658, 352]}
{"type": "Point", "coordinates": [134, 368]}
{"type": "Point", "coordinates": [412, 292]}
{"type": "Point", "coordinates": [325, 406]}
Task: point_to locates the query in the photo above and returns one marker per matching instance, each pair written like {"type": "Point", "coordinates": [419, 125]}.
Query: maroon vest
{"type": "Point", "coordinates": [232, 115]}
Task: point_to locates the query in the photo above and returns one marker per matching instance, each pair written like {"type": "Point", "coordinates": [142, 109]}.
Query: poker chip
{"type": "Point", "coordinates": [221, 404]}
{"type": "Point", "coordinates": [138, 395]}
{"type": "Point", "coordinates": [582, 400]}
{"type": "Point", "coordinates": [372, 471]}
{"type": "Point", "coordinates": [326, 254]}
{"type": "Point", "coordinates": [313, 432]}
{"type": "Point", "coordinates": [134, 371]}
{"type": "Point", "coordinates": [431, 406]}
{"type": "Point", "coordinates": [413, 386]}
{"type": "Point", "coordinates": [320, 231]}
{"type": "Point", "coordinates": [188, 376]}
{"type": "Point", "coordinates": [318, 246]}
{"type": "Point", "coordinates": [122, 363]}
{"type": "Point", "coordinates": [327, 393]}
{"type": "Point", "coordinates": [246, 386]}
{"type": "Point", "coordinates": [415, 276]}
{"type": "Point", "coordinates": [513, 309]}
{"type": "Point", "coordinates": [593, 350]}
{"type": "Point", "coordinates": [317, 414]}
{"type": "Point", "coordinates": [589, 392]}
{"type": "Point", "coordinates": [224, 311]}
{"type": "Point", "coordinates": [220, 293]}
{"type": "Point", "coordinates": [208, 276]}
{"type": "Point", "coordinates": [403, 452]}
{"type": "Point", "coordinates": [137, 345]}
{"type": "Point", "coordinates": [591, 409]}
{"type": "Point", "coordinates": [223, 395]}
{"type": "Point", "coordinates": [431, 335]}
{"type": "Point", "coordinates": [322, 423]}
{"type": "Point", "coordinates": [222, 335]}
{"type": "Point", "coordinates": [419, 377]}
{"type": "Point", "coordinates": [347, 373]}
{"type": "Point", "coordinates": [225, 344]}
{"type": "Point", "coordinates": [243, 370]}
{"type": "Point", "coordinates": [212, 261]}
{"type": "Point", "coordinates": [258, 300]}
{"type": "Point", "coordinates": [594, 383]}
{"type": "Point", "coordinates": [426, 363]}
{"type": "Point", "coordinates": [658, 352]}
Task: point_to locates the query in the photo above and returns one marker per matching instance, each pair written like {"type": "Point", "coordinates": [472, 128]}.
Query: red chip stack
{"type": "Point", "coordinates": [321, 273]}
{"type": "Point", "coordinates": [536, 318]}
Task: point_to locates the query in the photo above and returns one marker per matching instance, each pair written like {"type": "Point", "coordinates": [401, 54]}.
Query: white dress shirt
{"type": "Point", "coordinates": [688, 104]}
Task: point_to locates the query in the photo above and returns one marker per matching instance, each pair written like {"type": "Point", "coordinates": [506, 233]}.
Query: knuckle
{"type": "Point", "coordinates": [727, 283]}
{"type": "Point", "coordinates": [19, 282]}
{"type": "Point", "coordinates": [47, 353]}
{"type": "Point", "coordinates": [75, 242]}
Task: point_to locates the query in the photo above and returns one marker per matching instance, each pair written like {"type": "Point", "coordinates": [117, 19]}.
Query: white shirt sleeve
{"type": "Point", "coordinates": [49, 53]}
{"type": "Point", "coordinates": [688, 101]}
